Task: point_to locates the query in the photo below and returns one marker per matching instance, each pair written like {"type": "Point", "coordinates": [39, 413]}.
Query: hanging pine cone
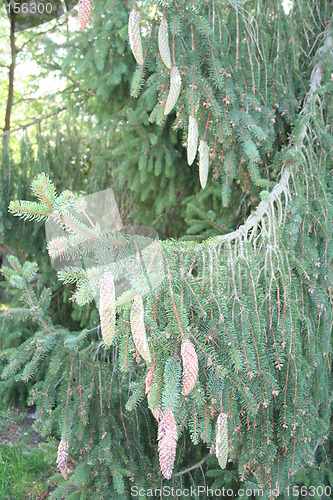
{"type": "Point", "coordinates": [222, 440]}
{"type": "Point", "coordinates": [203, 163]}
{"type": "Point", "coordinates": [85, 10]}
{"type": "Point", "coordinates": [163, 43]}
{"type": "Point", "coordinates": [134, 36]}
{"type": "Point", "coordinates": [175, 84]}
{"type": "Point", "coordinates": [192, 139]}
{"type": "Point", "coordinates": [107, 308]}
{"type": "Point", "coordinates": [167, 443]}
{"type": "Point", "coordinates": [62, 458]}
{"type": "Point", "coordinates": [138, 328]}
{"type": "Point", "coordinates": [190, 366]}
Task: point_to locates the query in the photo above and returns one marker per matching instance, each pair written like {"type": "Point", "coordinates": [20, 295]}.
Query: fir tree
{"type": "Point", "coordinates": [230, 350]}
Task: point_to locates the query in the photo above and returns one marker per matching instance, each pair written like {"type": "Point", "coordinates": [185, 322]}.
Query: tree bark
{"type": "Point", "coordinates": [10, 97]}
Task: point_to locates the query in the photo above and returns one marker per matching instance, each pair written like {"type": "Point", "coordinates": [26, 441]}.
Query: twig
{"type": "Point", "coordinates": [37, 120]}
{"type": "Point", "coordinates": [195, 466]}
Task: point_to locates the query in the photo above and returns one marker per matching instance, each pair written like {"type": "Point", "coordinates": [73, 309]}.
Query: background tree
{"type": "Point", "coordinates": [47, 133]}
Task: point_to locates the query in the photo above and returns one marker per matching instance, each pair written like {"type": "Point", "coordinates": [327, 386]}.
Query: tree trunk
{"type": "Point", "coordinates": [11, 75]}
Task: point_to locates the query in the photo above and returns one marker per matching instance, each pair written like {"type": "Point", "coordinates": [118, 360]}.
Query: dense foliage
{"type": "Point", "coordinates": [234, 325]}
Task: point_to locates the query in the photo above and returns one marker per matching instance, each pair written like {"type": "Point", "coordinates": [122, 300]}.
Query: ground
{"type": "Point", "coordinates": [24, 472]}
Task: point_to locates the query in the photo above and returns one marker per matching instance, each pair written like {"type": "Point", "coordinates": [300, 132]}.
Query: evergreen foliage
{"type": "Point", "coordinates": [235, 63]}
{"type": "Point", "coordinates": [253, 306]}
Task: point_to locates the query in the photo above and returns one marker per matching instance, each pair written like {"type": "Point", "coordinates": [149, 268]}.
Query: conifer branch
{"type": "Point", "coordinates": [193, 467]}
{"type": "Point", "coordinates": [244, 325]}
{"type": "Point", "coordinates": [34, 122]}
{"type": "Point", "coordinates": [282, 187]}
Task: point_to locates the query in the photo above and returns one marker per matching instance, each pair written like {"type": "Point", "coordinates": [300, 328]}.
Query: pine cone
{"type": "Point", "coordinates": [62, 458]}
{"type": "Point", "coordinates": [203, 163]}
{"type": "Point", "coordinates": [190, 366]}
{"type": "Point", "coordinates": [163, 43]}
{"type": "Point", "coordinates": [192, 140]}
{"type": "Point", "coordinates": [107, 308]}
{"type": "Point", "coordinates": [85, 10]}
{"type": "Point", "coordinates": [167, 443]}
{"type": "Point", "coordinates": [138, 328]}
{"type": "Point", "coordinates": [175, 84]}
{"type": "Point", "coordinates": [222, 440]}
{"type": "Point", "coordinates": [134, 36]}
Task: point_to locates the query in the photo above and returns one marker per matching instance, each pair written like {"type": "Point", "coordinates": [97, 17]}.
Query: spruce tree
{"type": "Point", "coordinates": [221, 344]}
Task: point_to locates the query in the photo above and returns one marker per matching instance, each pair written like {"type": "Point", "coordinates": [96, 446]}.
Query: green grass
{"type": "Point", "coordinates": [23, 472]}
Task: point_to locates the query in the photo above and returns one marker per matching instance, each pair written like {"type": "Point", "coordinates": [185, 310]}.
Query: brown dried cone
{"type": "Point", "coordinates": [163, 43]}
{"type": "Point", "coordinates": [192, 140]}
{"type": "Point", "coordinates": [134, 35]}
{"type": "Point", "coordinates": [85, 10]}
{"type": "Point", "coordinates": [190, 366]}
{"type": "Point", "coordinates": [138, 328]}
{"type": "Point", "coordinates": [175, 84]}
{"type": "Point", "coordinates": [167, 443]}
{"type": "Point", "coordinates": [107, 308]}
{"type": "Point", "coordinates": [62, 458]}
{"type": "Point", "coordinates": [203, 163]}
{"type": "Point", "coordinates": [222, 440]}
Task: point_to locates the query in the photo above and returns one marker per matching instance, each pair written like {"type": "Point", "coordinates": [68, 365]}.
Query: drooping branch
{"type": "Point", "coordinates": [34, 122]}
{"type": "Point", "coordinates": [296, 143]}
